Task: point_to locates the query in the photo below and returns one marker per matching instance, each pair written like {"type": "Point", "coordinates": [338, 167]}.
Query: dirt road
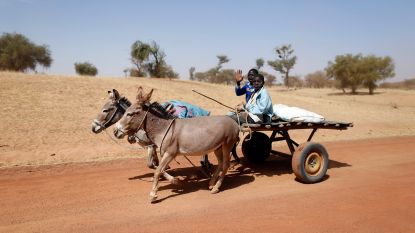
{"type": "Point", "coordinates": [370, 187]}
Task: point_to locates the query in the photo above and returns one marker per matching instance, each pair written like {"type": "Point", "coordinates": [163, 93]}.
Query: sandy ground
{"type": "Point", "coordinates": [369, 188]}
{"type": "Point", "coordinates": [57, 176]}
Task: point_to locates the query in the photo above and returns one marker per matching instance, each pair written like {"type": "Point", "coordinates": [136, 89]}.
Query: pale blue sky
{"type": "Point", "coordinates": [194, 32]}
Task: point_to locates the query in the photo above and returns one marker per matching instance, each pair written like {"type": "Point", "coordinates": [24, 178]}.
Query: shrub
{"type": "Point", "coordinates": [317, 79]}
{"type": "Point", "coordinates": [85, 68]}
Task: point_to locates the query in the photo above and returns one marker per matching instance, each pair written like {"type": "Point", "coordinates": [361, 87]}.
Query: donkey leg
{"type": "Point", "coordinates": [218, 154]}
{"type": "Point", "coordinates": [170, 178]}
{"type": "Point", "coordinates": [152, 158]}
{"type": "Point", "coordinates": [225, 166]}
{"type": "Point", "coordinates": [167, 158]}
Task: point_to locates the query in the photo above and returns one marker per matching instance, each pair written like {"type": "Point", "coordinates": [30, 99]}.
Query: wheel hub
{"type": "Point", "coordinates": [313, 163]}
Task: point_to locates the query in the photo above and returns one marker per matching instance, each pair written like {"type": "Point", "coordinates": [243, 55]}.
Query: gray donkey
{"type": "Point", "coordinates": [111, 112]}
{"type": "Point", "coordinates": [190, 137]}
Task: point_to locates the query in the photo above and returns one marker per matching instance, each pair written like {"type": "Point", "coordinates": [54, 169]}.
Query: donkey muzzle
{"type": "Point", "coordinates": [118, 131]}
{"type": "Point", "coordinates": [96, 127]}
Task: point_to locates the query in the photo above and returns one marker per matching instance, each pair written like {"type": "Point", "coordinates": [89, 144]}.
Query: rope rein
{"type": "Point", "coordinates": [165, 134]}
{"type": "Point", "coordinates": [133, 148]}
{"type": "Point", "coordinates": [242, 129]}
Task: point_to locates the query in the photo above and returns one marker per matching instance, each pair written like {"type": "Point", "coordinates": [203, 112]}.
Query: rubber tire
{"type": "Point", "coordinates": [258, 148]}
{"type": "Point", "coordinates": [300, 157]}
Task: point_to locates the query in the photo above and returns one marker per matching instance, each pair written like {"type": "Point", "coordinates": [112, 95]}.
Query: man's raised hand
{"type": "Point", "coordinates": [238, 76]}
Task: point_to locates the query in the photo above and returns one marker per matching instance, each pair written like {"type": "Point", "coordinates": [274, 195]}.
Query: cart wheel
{"type": "Point", "coordinates": [257, 148]}
{"type": "Point", "coordinates": [310, 162]}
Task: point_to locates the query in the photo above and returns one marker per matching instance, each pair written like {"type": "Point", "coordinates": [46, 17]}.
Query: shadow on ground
{"type": "Point", "coordinates": [192, 179]}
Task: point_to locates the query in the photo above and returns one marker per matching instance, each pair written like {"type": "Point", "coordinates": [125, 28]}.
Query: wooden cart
{"type": "Point", "coordinates": [309, 160]}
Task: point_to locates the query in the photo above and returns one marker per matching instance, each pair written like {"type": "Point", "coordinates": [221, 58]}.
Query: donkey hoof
{"type": "Point", "coordinates": [211, 185]}
{"type": "Point", "coordinates": [175, 181]}
{"type": "Point", "coordinates": [153, 198]}
{"type": "Point", "coordinates": [214, 190]}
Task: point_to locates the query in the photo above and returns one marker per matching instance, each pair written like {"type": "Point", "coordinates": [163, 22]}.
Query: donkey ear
{"type": "Point", "coordinates": [139, 93]}
{"type": "Point", "coordinates": [147, 97]}
{"type": "Point", "coordinates": [111, 95]}
{"type": "Point", "coordinates": [116, 94]}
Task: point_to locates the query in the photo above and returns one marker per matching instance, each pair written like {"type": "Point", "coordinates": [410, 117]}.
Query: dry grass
{"type": "Point", "coordinates": [46, 119]}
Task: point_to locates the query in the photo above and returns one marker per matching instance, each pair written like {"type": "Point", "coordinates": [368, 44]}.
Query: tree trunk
{"type": "Point", "coordinates": [371, 90]}
{"type": "Point", "coordinates": [287, 80]}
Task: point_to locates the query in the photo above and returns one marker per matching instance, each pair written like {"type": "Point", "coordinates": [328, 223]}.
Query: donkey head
{"type": "Point", "coordinates": [134, 117]}
{"type": "Point", "coordinates": [111, 112]}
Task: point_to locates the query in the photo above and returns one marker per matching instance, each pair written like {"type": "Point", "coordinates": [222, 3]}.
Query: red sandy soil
{"type": "Point", "coordinates": [369, 188]}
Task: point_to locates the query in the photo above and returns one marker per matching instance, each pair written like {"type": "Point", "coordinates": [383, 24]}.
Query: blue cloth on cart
{"type": "Point", "coordinates": [186, 110]}
{"type": "Point", "coordinates": [295, 114]}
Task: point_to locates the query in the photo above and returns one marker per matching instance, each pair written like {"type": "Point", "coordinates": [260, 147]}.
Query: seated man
{"type": "Point", "coordinates": [246, 89]}
{"type": "Point", "coordinates": [258, 108]}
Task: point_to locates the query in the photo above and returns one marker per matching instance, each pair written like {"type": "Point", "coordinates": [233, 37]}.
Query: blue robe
{"type": "Point", "coordinates": [260, 103]}
{"type": "Point", "coordinates": [247, 89]}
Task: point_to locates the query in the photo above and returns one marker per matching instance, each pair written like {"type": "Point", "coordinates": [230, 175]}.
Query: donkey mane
{"type": "Point", "coordinates": [124, 99]}
{"type": "Point", "coordinates": [158, 110]}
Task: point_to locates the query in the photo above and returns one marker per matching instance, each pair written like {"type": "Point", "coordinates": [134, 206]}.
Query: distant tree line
{"type": "Point", "coordinates": [226, 76]}
{"type": "Point", "coordinates": [283, 64]}
{"type": "Point", "coordinates": [349, 71]}
{"type": "Point", "coordinates": [215, 74]}
{"type": "Point", "coordinates": [346, 71]}
{"type": "Point", "coordinates": [408, 84]}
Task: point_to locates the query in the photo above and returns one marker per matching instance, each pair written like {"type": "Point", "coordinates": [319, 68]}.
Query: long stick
{"type": "Point", "coordinates": [213, 99]}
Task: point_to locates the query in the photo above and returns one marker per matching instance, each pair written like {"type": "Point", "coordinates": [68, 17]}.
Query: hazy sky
{"type": "Point", "coordinates": [194, 32]}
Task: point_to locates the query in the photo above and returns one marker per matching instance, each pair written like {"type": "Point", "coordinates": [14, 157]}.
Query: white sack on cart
{"type": "Point", "coordinates": [295, 114]}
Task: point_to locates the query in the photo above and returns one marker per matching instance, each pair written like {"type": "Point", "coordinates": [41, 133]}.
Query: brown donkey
{"type": "Point", "coordinates": [190, 137]}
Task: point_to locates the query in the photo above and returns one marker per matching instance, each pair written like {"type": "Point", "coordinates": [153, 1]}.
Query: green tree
{"type": "Point", "coordinates": [192, 73]}
{"type": "Point", "coordinates": [285, 62]}
{"type": "Point", "coordinates": [157, 66]}
{"type": "Point", "coordinates": [225, 76]}
{"type": "Point", "coordinates": [216, 74]}
{"type": "Point", "coordinates": [201, 76]}
{"type": "Point", "coordinates": [85, 68]}
{"type": "Point", "coordinates": [18, 53]}
{"type": "Point", "coordinates": [355, 70]}
{"type": "Point", "coordinates": [259, 63]}
{"type": "Point", "coordinates": [150, 59]}
{"type": "Point", "coordinates": [345, 70]}
{"type": "Point", "coordinates": [222, 60]}
{"type": "Point", "coordinates": [140, 52]}
{"type": "Point", "coordinates": [376, 69]}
